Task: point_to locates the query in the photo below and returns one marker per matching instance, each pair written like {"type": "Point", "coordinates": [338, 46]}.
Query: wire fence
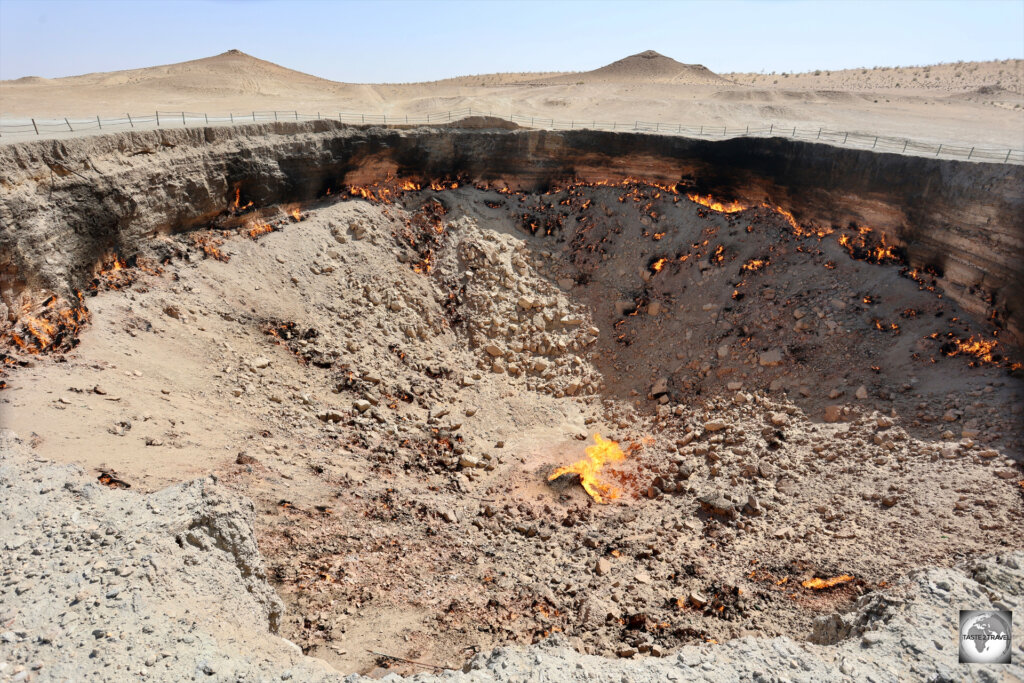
{"type": "Point", "coordinates": [58, 127]}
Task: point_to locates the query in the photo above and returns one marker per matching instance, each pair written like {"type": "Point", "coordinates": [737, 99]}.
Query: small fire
{"type": "Point", "coordinates": [754, 264]}
{"type": "Point", "coordinates": [237, 205]}
{"type": "Point", "coordinates": [260, 229]}
{"type": "Point", "coordinates": [589, 469]}
{"type": "Point", "coordinates": [983, 350]}
{"type": "Point", "coordinates": [715, 205]}
{"type": "Point", "coordinates": [860, 248]}
{"type": "Point", "coordinates": [296, 215]}
{"type": "Point", "coordinates": [659, 264]}
{"type": "Point", "coordinates": [821, 584]}
{"type": "Point", "coordinates": [51, 327]}
{"type": "Point", "coordinates": [210, 246]}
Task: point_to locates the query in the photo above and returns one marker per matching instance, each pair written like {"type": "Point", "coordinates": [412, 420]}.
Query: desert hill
{"type": "Point", "coordinates": [232, 72]}
{"type": "Point", "coordinates": [646, 67]}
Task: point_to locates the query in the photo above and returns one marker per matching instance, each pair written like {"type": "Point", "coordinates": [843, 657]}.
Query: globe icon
{"type": "Point", "coordinates": [985, 637]}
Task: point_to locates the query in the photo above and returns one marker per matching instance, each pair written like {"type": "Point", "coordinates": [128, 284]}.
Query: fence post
{"type": "Point", "coordinates": [771, 129]}
{"type": "Point", "coordinates": [939, 150]}
{"type": "Point", "coordinates": [1007, 155]}
{"type": "Point", "coordinates": [275, 115]}
{"type": "Point", "coordinates": [701, 130]}
{"type": "Point", "coordinates": [794, 131]}
{"type": "Point", "coordinates": [183, 120]}
{"type": "Point", "coordinates": [207, 117]}
{"type": "Point", "coordinates": [296, 115]}
{"type": "Point", "coordinates": [254, 117]}
{"type": "Point", "coordinates": [845, 138]}
{"type": "Point", "coordinates": [69, 124]}
{"type": "Point", "coordinates": [158, 119]}
{"type": "Point", "coordinates": [232, 117]}
{"type": "Point", "coordinates": [748, 129]}
{"type": "Point", "coordinates": [130, 123]}
{"type": "Point", "coordinates": [874, 143]}
{"type": "Point", "coordinates": [98, 122]}
{"type": "Point", "coordinates": [905, 143]}
{"type": "Point", "coordinates": [35, 126]}
{"type": "Point", "coordinates": [819, 134]}
{"type": "Point", "coordinates": [970, 153]}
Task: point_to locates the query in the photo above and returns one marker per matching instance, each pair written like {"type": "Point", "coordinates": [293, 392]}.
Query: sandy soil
{"type": "Point", "coordinates": [969, 103]}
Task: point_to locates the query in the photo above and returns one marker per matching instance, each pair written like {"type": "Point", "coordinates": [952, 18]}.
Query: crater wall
{"type": "Point", "coordinates": [66, 204]}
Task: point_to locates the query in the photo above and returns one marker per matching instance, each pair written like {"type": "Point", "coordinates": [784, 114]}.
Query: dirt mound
{"type": "Point", "coordinates": [485, 123]}
{"type": "Point", "coordinates": [647, 67]}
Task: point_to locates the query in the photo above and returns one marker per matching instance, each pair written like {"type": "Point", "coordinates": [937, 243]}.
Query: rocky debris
{"type": "Point", "coordinates": [161, 585]}
{"type": "Point", "coordinates": [908, 630]}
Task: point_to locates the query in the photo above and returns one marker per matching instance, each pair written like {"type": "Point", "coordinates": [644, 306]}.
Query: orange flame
{"type": "Point", "coordinates": [54, 327]}
{"type": "Point", "coordinates": [754, 264]}
{"type": "Point", "coordinates": [659, 264]}
{"type": "Point", "coordinates": [820, 584]}
{"type": "Point", "coordinates": [260, 229]}
{"type": "Point", "coordinates": [589, 469]}
{"type": "Point", "coordinates": [715, 205]}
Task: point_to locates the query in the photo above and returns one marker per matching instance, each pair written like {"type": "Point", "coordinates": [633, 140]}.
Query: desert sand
{"type": "Point", "coordinates": [968, 104]}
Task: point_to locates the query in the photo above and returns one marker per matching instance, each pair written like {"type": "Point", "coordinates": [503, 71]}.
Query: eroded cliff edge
{"type": "Point", "coordinates": [65, 205]}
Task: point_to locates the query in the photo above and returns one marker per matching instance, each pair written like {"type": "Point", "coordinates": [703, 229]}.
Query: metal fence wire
{"type": "Point", "coordinates": [32, 127]}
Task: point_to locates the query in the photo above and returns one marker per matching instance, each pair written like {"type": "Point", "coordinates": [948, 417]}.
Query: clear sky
{"type": "Point", "coordinates": [403, 41]}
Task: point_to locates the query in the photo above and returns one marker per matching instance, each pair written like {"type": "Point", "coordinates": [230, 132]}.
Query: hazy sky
{"type": "Point", "coordinates": [401, 40]}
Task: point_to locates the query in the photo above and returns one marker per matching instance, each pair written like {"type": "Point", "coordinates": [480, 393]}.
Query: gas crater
{"type": "Point", "coordinates": [785, 374]}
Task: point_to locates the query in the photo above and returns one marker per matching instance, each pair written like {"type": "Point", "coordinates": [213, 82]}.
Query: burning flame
{"type": "Point", "coordinates": [859, 248]}
{"type": "Point", "coordinates": [715, 205]}
{"type": "Point", "coordinates": [659, 264]}
{"type": "Point", "coordinates": [589, 469]}
{"type": "Point", "coordinates": [260, 229]}
{"type": "Point", "coordinates": [820, 584]}
{"type": "Point", "coordinates": [982, 349]}
{"type": "Point", "coordinates": [754, 264]}
{"type": "Point", "coordinates": [54, 326]}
